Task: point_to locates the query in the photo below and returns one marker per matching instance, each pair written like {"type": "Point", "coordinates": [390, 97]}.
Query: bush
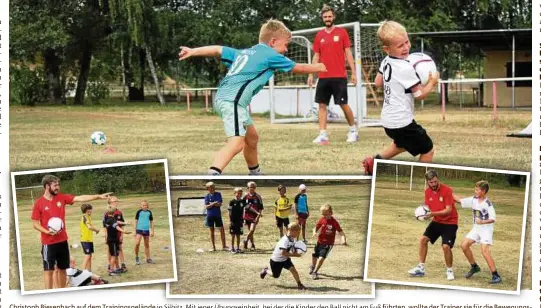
{"type": "Point", "coordinates": [26, 87]}
{"type": "Point", "coordinates": [97, 91]}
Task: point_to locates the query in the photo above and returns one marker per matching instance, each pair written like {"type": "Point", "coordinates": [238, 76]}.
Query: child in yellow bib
{"type": "Point", "coordinates": [282, 209]}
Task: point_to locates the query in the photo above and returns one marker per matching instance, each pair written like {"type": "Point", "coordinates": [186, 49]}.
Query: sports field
{"type": "Point", "coordinates": [189, 139]}
{"type": "Point", "coordinates": [160, 244]}
{"type": "Point", "coordinates": [395, 237]}
{"type": "Point", "coordinates": [224, 273]}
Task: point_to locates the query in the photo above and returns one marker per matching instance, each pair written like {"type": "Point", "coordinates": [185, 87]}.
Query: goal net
{"type": "Point", "coordinates": [28, 194]}
{"type": "Point", "coordinates": [292, 101]}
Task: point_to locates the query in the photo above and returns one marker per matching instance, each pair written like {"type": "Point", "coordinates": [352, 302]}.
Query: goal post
{"type": "Point", "coordinates": [293, 101]}
{"type": "Point", "coordinates": [29, 192]}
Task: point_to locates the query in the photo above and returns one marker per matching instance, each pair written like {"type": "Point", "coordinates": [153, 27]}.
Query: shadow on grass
{"type": "Point", "coordinates": [334, 277]}
{"type": "Point", "coordinates": [257, 252]}
{"type": "Point", "coordinates": [318, 289]}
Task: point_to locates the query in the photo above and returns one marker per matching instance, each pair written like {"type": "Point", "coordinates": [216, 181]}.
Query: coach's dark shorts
{"type": "Point", "coordinates": [276, 267]}
{"type": "Point", "coordinates": [235, 228]}
{"type": "Point", "coordinates": [413, 138]}
{"type": "Point", "coordinates": [213, 222]}
{"type": "Point", "coordinates": [88, 247]}
{"type": "Point", "coordinates": [322, 250]}
{"type": "Point", "coordinates": [113, 248]}
{"type": "Point", "coordinates": [335, 87]}
{"type": "Point", "coordinates": [55, 254]}
{"type": "Point", "coordinates": [282, 222]}
{"type": "Point", "coordinates": [446, 231]}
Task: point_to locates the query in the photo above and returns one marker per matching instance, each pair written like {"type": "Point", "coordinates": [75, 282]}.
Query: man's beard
{"type": "Point", "coordinates": [53, 192]}
{"type": "Point", "coordinates": [329, 24]}
{"type": "Point", "coordinates": [435, 187]}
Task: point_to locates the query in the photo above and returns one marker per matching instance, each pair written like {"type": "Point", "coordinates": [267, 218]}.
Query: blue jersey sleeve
{"type": "Point", "coordinates": [280, 63]}
{"type": "Point", "coordinates": [228, 55]}
{"type": "Point", "coordinates": [219, 197]}
{"type": "Point", "coordinates": [207, 199]}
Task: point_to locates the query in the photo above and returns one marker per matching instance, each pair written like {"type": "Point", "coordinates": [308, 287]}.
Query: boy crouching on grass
{"type": "Point", "coordinates": [281, 256]}
{"type": "Point", "coordinates": [327, 226]}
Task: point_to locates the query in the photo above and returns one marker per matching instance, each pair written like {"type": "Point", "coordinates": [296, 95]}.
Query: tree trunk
{"type": "Point", "coordinates": [123, 73]}
{"type": "Point", "coordinates": [135, 93]}
{"type": "Point", "coordinates": [52, 73]}
{"type": "Point", "coordinates": [84, 70]}
{"type": "Point", "coordinates": [154, 76]}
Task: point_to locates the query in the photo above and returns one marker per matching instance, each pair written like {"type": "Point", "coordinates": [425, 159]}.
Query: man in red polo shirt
{"type": "Point", "coordinates": [331, 47]}
{"type": "Point", "coordinates": [55, 249]}
{"type": "Point", "coordinates": [439, 199]}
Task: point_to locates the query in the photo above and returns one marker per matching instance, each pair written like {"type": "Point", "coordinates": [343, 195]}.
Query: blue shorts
{"type": "Point", "coordinates": [88, 247]}
{"type": "Point", "coordinates": [235, 118]}
{"type": "Point", "coordinates": [214, 222]}
{"type": "Point", "coordinates": [143, 232]}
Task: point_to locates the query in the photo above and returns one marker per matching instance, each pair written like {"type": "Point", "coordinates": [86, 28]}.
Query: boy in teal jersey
{"type": "Point", "coordinates": [144, 228]}
{"type": "Point", "coordinates": [249, 71]}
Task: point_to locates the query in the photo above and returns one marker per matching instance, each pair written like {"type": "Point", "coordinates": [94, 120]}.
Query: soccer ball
{"type": "Point", "coordinates": [421, 212]}
{"type": "Point", "coordinates": [98, 138]}
{"type": "Point", "coordinates": [299, 247]}
{"type": "Point", "coordinates": [423, 64]}
{"type": "Point", "coordinates": [55, 224]}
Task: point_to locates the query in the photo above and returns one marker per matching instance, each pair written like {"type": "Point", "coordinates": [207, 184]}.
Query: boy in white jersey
{"type": "Point", "coordinates": [484, 217]}
{"type": "Point", "coordinates": [249, 71]}
{"type": "Point", "coordinates": [401, 86]}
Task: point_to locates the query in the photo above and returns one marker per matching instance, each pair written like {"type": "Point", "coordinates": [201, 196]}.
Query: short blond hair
{"type": "Point", "coordinates": [388, 30]}
{"type": "Point", "coordinates": [209, 184]}
{"type": "Point", "coordinates": [326, 8]}
{"type": "Point", "coordinates": [294, 227]}
{"type": "Point", "coordinates": [144, 202]}
{"type": "Point", "coordinates": [483, 185]}
{"type": "Point", "coordinates": [273, 29]}
{"type": "Point", "coordinates": [251, 183]}
{"type": "Point", "coordinates": [237, 189]}
{"type": "Point", "coordinates": [326, 207]}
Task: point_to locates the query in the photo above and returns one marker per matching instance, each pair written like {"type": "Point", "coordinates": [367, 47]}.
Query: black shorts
{"type": "Point", "coordinates": [113, 248]}
{"type": "Point", "coordinates": [446, 231]}
{"type": "Point", "coordinates": [144, 233]}
{"type": "Point", "coordinates": [214, 222]}
{"type": "Point", "coordinates": [55, 254]}
{"type": "Point", "coordinates": [88, 247]}
{"type": "Point", "coordinates": [235, 228]}
{"type": "Point", "coordinates": [322, 250]}
{"type": "Point", "coordinates": [412, 138]}
{"type": "Point", "coordinates": [335, 87]}
{"type": "Point", "coordinates": [276, 267]}
{"type": "Point", "coordinates": [249, 223]}
{"type": "Point", "coordinates": [282, 222]}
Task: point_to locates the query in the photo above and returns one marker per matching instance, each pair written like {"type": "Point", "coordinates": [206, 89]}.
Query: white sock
{"type": "Point", "coordinates": [422, 265]}
{"type": "Point", "coordinates": [449, 269]}
{"type": "Point", "coordinates": [353, 128]}
{"type": "Point", "coordinates": [213, 172]}
{"type": "Point", "coordinates": [323, 132]}
{"type": "Point", "coordinates": [255, 171]}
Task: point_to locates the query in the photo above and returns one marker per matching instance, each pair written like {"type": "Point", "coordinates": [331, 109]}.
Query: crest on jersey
{"type": "Point", "coordinates": [46, 208]}
{"type": "Point", "coordinates": [430, 199]}
{"type": "Point", "coordinates": [322, 40]}
{"type": "Point", "coordinates": [336, 38]}
{"type": "Point", "coordinates": [59, 204]}
{"type": "Point", "coordinates": [441, 199]}
{"type": "Point", "coordinates": [329, 227]}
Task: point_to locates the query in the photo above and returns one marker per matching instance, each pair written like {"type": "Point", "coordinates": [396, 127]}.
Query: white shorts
{"type": "Point", "coordinates": [481, 235]}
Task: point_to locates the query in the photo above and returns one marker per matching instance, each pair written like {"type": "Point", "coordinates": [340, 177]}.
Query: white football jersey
{"type": "Point", "coordinates": [284, 243]}
{"type": "Point", "coordinates": [399, 77]}
{"type": "Point", "coordinates": [480, 209]}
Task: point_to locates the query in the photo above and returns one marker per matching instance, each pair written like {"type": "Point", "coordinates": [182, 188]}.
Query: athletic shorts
{"type": "Point", "coordinates": [277, 266]}
{"type": "Point", "coordinates": [322, 250]}
{"type": "Point", "coordinates": [335, 87]}
{"type": "Point", "coordinates": [249, 223]}
{"type": "Point", "coordinates": [113, 249]}
{"type": "Point", "coordinates": [282, 222]}
{"type": "Point", "coordinates": [235, 228]}
{"type": "Point", "coordinates": [481, 235]}
{"type": "Point", "coordinates": [214, 222]}
{"type": "Point", "coordinates": [301, 219]}
{"type": "Point", "coordinates": [235, 118]}
{"type": "Point", "coordinates": [139, 232]}
{"type": "Point", "coordinates": [88, 247]}
{"type": "Point", "coordinates": [446, 231]}
{"type": "Point", "coordinates": [412, 138]}
{"type": "Point", "coordinates": [55, 254]}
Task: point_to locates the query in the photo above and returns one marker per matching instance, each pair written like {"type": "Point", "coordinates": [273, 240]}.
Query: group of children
{"type": "Point", "coordinates": [114, 226]}
{"type": "Point", "coordinates": [247, 210]}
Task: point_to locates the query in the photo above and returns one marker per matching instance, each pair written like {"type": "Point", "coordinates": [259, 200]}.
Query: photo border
{"type": "Point", "coordinates": [440, 286]}
{"type": "Point", "coordinates": [269, 296]}
{"type": "Point", "coordinates": [103, 286]}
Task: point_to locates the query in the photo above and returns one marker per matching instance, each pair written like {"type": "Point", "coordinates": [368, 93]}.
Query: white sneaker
{"type": "Point", "coordinates": [417, 271]}
{"type": "Point", "coordinates": [353, 136]}
{"type": "Point", "coordinates": [450, 275]}
{"type": "Point", "coordinates": [321, 139]}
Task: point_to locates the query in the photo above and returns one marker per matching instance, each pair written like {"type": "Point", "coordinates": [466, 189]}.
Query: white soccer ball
{"type": "Point", "coordinates": [55, 224]}
{"type": "Point", "coordinates": [423, 65]}
{"type": "Point", "coordinates": [98, 138]}
{"type": "Point", "coordinates": [299, 247]}
{"type": "Point", "coordinates": [421, 212]}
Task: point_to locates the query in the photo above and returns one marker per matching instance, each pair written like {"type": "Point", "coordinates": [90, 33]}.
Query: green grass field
{"type": "Point", "coordinates": [394, 246]}
{"type": "Point", "coordinates": [223, 273]}
{"type": "Point", "coordinates": [190, 139]}
{"type": "Point", "coordinates": [160, 244]}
